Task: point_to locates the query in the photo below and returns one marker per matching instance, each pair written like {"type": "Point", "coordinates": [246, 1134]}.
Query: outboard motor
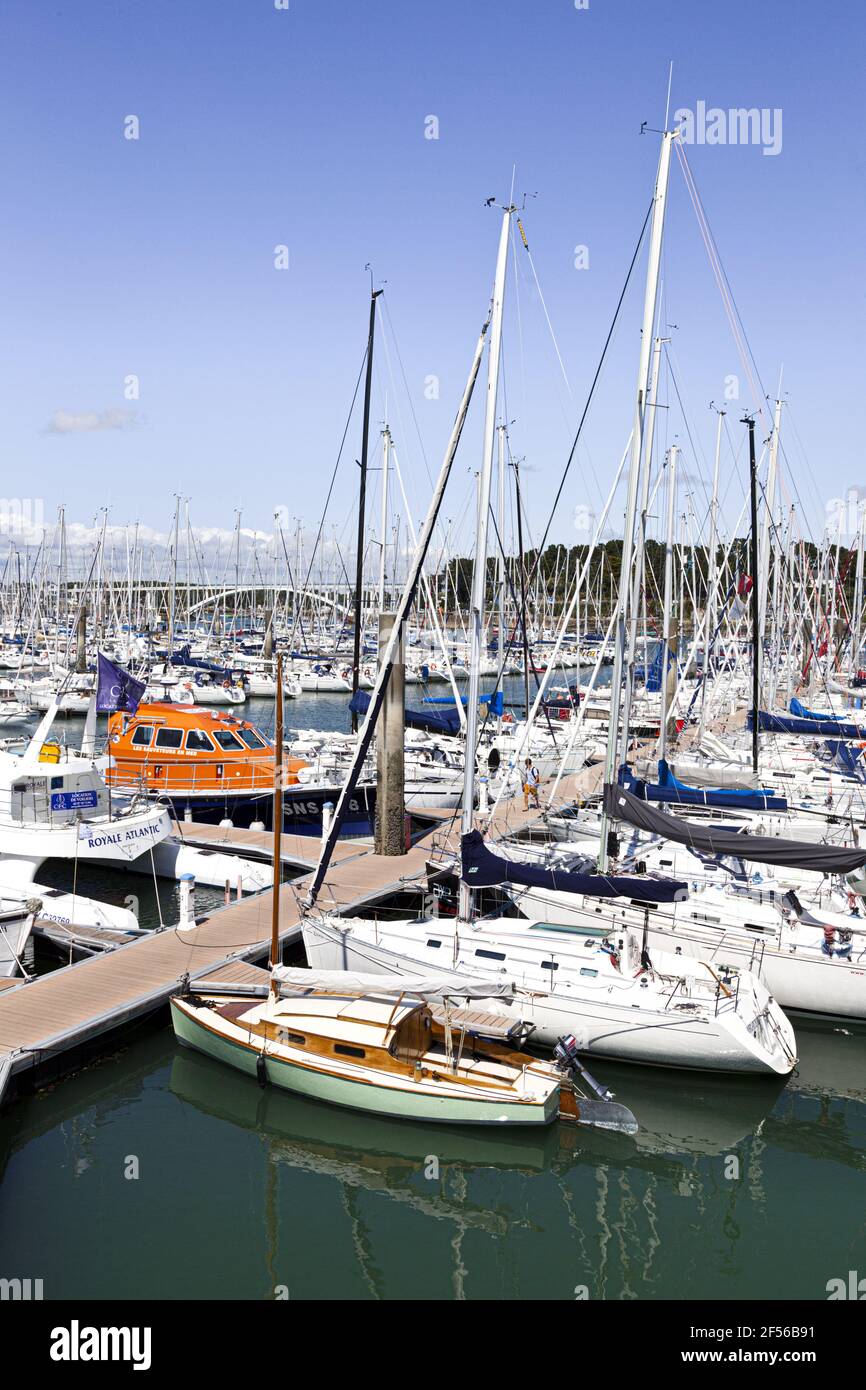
{"type": "Point", "coordinates": [565, 1053]}
{"type": "Point", "coordinates": [600, 1109]}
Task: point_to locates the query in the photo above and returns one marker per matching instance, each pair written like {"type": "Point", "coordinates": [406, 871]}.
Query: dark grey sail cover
{"type": "Point", "coordinates": [763, 849]}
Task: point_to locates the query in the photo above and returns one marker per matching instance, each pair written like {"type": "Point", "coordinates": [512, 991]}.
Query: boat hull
{"type": "Point", "coordinates": [302, 809]}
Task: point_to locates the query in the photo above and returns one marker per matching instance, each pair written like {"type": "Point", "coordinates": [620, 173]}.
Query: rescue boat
{"type": "Point", "coordinates": [213, 766]}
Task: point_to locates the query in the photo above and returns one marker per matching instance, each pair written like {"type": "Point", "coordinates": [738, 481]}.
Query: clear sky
{"type": "Point", "coordinates": [305, 126]}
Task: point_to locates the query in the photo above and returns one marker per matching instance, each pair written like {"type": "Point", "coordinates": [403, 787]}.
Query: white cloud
{"type": "Point", "coordinates": [91, 421]}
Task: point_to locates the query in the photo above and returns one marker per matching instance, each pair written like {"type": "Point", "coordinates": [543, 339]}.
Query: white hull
{"type": "Point", "coordinates": [604, 1025]}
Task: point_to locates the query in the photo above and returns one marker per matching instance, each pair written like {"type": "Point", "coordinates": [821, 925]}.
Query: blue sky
{"type": "Point", "coordinates": [306, 127]}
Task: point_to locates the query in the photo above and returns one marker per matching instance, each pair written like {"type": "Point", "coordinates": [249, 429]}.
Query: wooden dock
{"type": "Point", "coordinates": [49, 1023]}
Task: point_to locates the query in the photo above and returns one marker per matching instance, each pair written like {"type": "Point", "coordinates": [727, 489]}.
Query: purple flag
{"type": "Point", "coordinates": [117, 689]}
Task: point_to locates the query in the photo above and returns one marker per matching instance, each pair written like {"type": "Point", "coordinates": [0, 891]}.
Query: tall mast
{"type": "Point", "coordinates": [479, 568]}
{"type": "Point", "coordinates": [173, 579]}
{"type": "Point", "coordinates": [617, 751]}
{"type": "Point", "coordinates": [669, 580]}
{"type": "Point", "coordinates": [362, 499]}
{"type": "Point", "coordinates": [769, 503]}
{"type": "Point", "coordinates": [403, 607]}
{"type": "Point", "coordinates": [278, 823]}
{"type": "Point", "coordinates": [712, 569]}
{"type": "Point", "coordinates": [639, 586]}
{"type": "Point", "coordinates": [500, 558]}
{"type": "Point", "coordinates": [857, 615]}
{"type": "Point", "coordinates": [521, 572]}
{"type": "Point", "coordinates": [749, 421]}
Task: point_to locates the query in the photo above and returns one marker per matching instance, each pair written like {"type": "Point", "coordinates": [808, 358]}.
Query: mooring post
{"type": "Point", "coordinates": [81, 653]}
{"type": "Point", "coordinates": [390, 734]}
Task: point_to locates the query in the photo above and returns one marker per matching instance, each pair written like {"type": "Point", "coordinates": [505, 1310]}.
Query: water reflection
{"type": "Point", "coordinates": [732, 1188]}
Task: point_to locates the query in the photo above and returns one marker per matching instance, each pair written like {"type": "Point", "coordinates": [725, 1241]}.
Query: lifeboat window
{"type": "Point", "coordinates": [143, 736]}
{"type": "Point", "coordinates": [169, 738]}
{"type": "Point", "coordinates": [196, 739]}
{"type": "Point", "coordinates": [491, 955]}
{"type": "Point", "coordinates": [251, 738]}
{"type": "Point", "coordinates": [346, 1051]}
{"type": "Point", "coordinates": [226, 740]}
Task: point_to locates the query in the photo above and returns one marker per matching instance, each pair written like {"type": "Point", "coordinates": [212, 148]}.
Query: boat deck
{"type": "Point", "coordinates": [47, 1024]}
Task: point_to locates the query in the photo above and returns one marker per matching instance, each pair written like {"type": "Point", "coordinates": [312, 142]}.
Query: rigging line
{"type": "Point", "coordinates": [546, 314]}
{"type": "Point", "coordinates": [406, 388]}
{"type": "Point", "coordinates": [728, 301]}
{"type": "Point", "coordinates": [593, 385]}
{"type": "Point", "coordinates": [735, 318]}
{"type": "Point", "coordinates": [331, 487]}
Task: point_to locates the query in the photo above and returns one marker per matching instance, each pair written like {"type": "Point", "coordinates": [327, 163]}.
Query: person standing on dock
{"type": "Point", "coordinates": [531, 780]}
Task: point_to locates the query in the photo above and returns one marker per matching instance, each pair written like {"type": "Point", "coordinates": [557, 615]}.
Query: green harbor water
{"type": "Point", "coordinates": [732, 1189]}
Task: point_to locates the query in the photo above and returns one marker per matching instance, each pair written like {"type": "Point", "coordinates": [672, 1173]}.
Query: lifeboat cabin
{"type": "Point", "coordinates": [203, 761]}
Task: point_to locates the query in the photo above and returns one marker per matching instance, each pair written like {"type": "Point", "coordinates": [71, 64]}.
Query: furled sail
{"type": "Point", "coordinates": [446, 721]}
{"type": "Point", "coordinates": [431, 985]}
{"type": "Point", "coordinates": [483, 869]}
{"type": "Point", "coordinates": [763, 849]}
{"type": "Point", "coordinates": [817, 728]}
{"type": "Point", "coordinates": [669, 788]}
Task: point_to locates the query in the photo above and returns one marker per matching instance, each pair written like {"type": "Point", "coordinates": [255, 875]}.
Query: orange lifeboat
{"type": "Point", "coordinates": [192, 752]}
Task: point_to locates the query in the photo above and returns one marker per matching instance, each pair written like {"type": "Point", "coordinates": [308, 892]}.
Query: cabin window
{"type": "Point", "coordinates": [227, 740]}
{"type": "Point", "coordinates": [591, 973]}
{"type": "Point", "coordinates": [143, 736]}
{"type": "Point", "coordinates": [491, 955]}
{"type": "Point", "coordinates": [346, 1051]}
{"type": "Point", "coordinates": [56, 784]}
{"type": "Point", "coordinates": [169, 738]}
{"type": "Point", "coordinates": [297, 1038]}
{"type": "Point", "coordinates": [197, 740]}
{"type": "Point", "coordinates": [549, 965]}
{"type": "Point", "coordinates": [251, 738]}
{"type": "Point", "coordinates": [434, 943]}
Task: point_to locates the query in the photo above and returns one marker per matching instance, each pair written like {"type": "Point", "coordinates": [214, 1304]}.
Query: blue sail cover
{"type": "Point", "coordinates": [494, 701]}
{"type": "Point", "coordinates": [483, 869]}
{"type": "Point", "coordinates": [847, 759]}
{"type": "Point", "coordinates": [668, 779]}
{"type": "Point", "coordinates": [817, 728]}
{"type": "Point", "coordinates": [433, 722]}
{"type": "Point", "coordinates": [801, 712]}
{"type": "Point", "coordinates": [724, 797]}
